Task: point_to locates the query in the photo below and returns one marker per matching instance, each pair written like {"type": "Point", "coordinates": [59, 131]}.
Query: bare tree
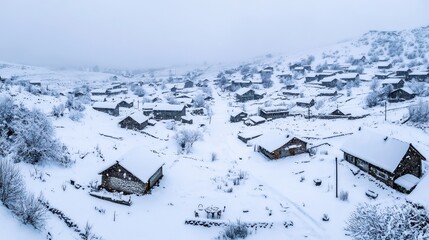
{"type": "Point", "coordinates": [30, 210]}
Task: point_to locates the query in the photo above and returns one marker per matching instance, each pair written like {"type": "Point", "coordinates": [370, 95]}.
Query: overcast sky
{"type": "Point", "coordinates": [142, 34]}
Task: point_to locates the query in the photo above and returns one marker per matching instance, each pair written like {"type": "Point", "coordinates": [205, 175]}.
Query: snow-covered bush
{"type": "Point", "coordinates": [58, 111]}
{"type": "Point", "coordinates": [419, 113]}
{"type": "Point", "coordinates": [372, 99]}
{"type": "Point", "coordinates": [266, 81]}
{"type": "Point", "coordinates": [35, 142]}
{"type": "Point", "coordinates": [235, 230]}
{"type": "Point", "coordinates": [139, 91]}
{"type": "Point", "coordinates": [199, 101]}
{"type": "Point", "coordinates": [73, 103]}
{"type": "Point", "coordinates": [319, 103]}
{"type": "Point", "coordinates": [75, 115]}
{"type": "Point", "coordinates": [11, 183]}
{"type": "Point", "coordinates": [344, 195]}
{"type": "Point", "coordinates": [87, 233]}
{"type": "Point", "coordinates": [374, 84]}
{"type": "Point", "coordinates": [186, 138]}
{"type": "Point", "coordinates": [401, 221]}
{"type": "Point", "coordinates": [30, 210]}
{"type": "Point", "coordinates": [419, 88]}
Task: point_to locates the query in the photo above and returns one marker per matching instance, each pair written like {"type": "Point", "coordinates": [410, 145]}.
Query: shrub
{"type": "Point", "coordinates": [75, 116]}
{"type": "Point", "coordinates": [11, 183]}
{"type": "Point", "coordinates": [186, 138]}
{"type": "Point", "coordinates": [31, 211]}
{"type": "Point", "coordinates": [419, 113]}
{"type": "Point", "coordinates": [402, 221]}
{"type": "Point", "coordinates": [139, 91]}
{"type": "Point", "coordinates": [235, 230]}
{"type": "Point", "coordinates": [58, 111]}
{"type": "Point", "coordinates": [213, 156]}
{"type": "Point", "coordinates": [371, 99]}
{"type": "Point", "coordinates": [344, 195]}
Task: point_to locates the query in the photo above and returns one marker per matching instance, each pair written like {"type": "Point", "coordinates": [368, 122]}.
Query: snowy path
{"type": "Point", "coordinates": [225, 143]}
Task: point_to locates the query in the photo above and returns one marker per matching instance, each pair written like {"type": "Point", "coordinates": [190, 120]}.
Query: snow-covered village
{"type": "Point", "coordinates": [329, 142]}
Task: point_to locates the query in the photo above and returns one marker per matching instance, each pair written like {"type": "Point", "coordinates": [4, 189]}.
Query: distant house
{"type": "Point", "coordinates": [337, 112]}
{"type": "Point", "coordinates": [280, 146]}
{"type": "Point", "coordinates": [311, 77]}
{"type": "Point", "coordinates": [247, 136]}
{"type": "Point", "coordinates": [126, 104]}
{"type": "Point", "coordinates": [246, 94]}
{"type": "Point", "coordinates": [293, 66]}
{"type": "Point", "coordinates": [403, 73]}
{"type": "Point", "coordinates": [419, 76]}
{"type": "Point", "coordinates": [285, 76]}
{"type": "Point", "coordinates": [136, 121]}
{"type": "Point", "coordinates": [110, 108]}
{"type": "Point", "coordinates": [327, 93]}
{"type": "Point", "coordinates": [187, 120]}
{"type": "Point", "coordinates": [383, 75]}
{"type": "Point", "coordinates": [352, 69]}
{"type": "Point", "coordinates": [305, 102]}
{"type": "Point", "coordinates": [169, 111]}
{"type": "Point", "coordinates": [254, 120]}
{"type": "Point", "coordinates": [292, 92]}
{"type": "Point", "coordinates": [384, 65]}
{"type": "Point", "coordinates": [116, 91]}
{"type": "Point", "coordinates": [327, 73]}
{"type": "Point", "coordinates": [241, 83]}
{"type": "Point", "coordinates": [135, 173]}
{"type": "Point", "coordinates": [300, 70]}
{"type": "Point", "coordinates": [97, 92]}
{"type": "Point", "coordinates": [385, 158]}
{"type": "Point", "coordinates": [237, 116]}
{"type": "Point", "coordinates": [274, 112]}
{"type": "Point", "coordinates": [348, 76]}
{"type": "Point", "coordinates": [188, 84]}
{"type": "Point", "coordinates": [36, 83]}
{"type": "Point", "coordinates": [395, 82]}
{"type": "Point", "coordinates": [401, 94]}
{"type": "Point", "coordinates": [331, 82]}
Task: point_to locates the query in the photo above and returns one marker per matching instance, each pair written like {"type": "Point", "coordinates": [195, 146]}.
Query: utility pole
{"type": "Point", "coordinates": [385, 111]}
{"type": "Point", "coordinates": [308, 113]}
{"type": "Point", "coordinates": [336, 177]}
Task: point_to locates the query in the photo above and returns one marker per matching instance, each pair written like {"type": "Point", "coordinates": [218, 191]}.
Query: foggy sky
{"type": "Point", "coordinates": [142, 34]}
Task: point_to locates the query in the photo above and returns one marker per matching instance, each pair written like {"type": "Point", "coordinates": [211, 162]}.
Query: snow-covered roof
{"type": "Point", "coordinates": [105, 105]}
{"type": "Point", "coordinates": [391, 81]}
{"type": "Point", "coordinates": [256, 119]}
{"type": "Point", "coordinates": [407, 181]}
{"type": "Point", "coordinates": [242, 91]}
{"type": "Point", "coordinates": [419, 73]}
{"type": "Point", "coordinates": [236, 112]}
{"type": "Point", "coordinates": [98, 91]}
{"type": "Point", "coordinates": [168, 107]}
{"type": "Point", "coordinates": [305, 100]}
{"type": "Point", "coordinates": [376, 149]}
{"type": "Point", "coordinates": [275, 109]}
{"type": "Point", "coordinates": [149, 106]}
{"type": "Point", "coordinates": [139, 117]}
{"type": "Point", "coordinates": [141, 163]}
{"type": "Point", "coordinates": [406, 89]}
{"type": "Point", "coordinates": [383, 64]}
{"type": "Point", "coordinates": [329, 79]}
{"type": "Point", "coordinates": [347, 75]}
{"type": "Point", "coordinates": [274, 140]}
{"type": "Point", "coordinates": [420, 193]}
{"type": "Point", "coordinates": [249, 134]}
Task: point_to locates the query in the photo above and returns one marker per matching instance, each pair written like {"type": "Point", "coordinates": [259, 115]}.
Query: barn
{"type": "Point", "coordinates": [110, 108]}
{"type": "Point", "coordinates": [395, 82]}
{"type": "Point", "coordinates": [135, 173]}
{"type": "Point", "coordinates": [275, 146]}
{"type": "Point", "coordinates": [401, 94]}
{"type": "Point", "coordinates": [246, 94]}
{"type": "Point", "coordinates": [136, 121]}
{"type": "Point", "coordinates": [237, 116]}
{"type": "Point", "coordinates": [169, 111]}
{"type": "Point", "coordinates": [274, 112]}
{"type": "Point", "coordinates": [394, 162]}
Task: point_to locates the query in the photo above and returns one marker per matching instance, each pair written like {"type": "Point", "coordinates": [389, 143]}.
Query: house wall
{"type": "Point", "coordinates": [130, 123]}
{"type": "Point", "coordinates": [238, 118]}
{"type": "Point", "coordinates": [163, 115]}
{"type": "Point", "coordinates": [117, 178]}
{"type": "Point", "coordinates": [154, 179]}
{"type": "Point", "coordinates": [113, 112]}
{"type": "Point", "coordinates": [411, 163]}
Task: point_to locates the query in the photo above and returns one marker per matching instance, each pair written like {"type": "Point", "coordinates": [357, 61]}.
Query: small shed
{"type": "Point", "coordinates": [237, 116]}
{"type": "Point", "coordinates": [305, 102]}
{"type": "Point", "coordinates": [135, 173]}
{"type": "Point", "coordinates": [110, 108]}
{"type": "Point", "coordinates": [277, 145]}
{"type": "Point", "coordinates": [187, 120]}
{"type": "Point", "coordinates": [254, 120]}
{"type": "Point", "coordinates": [136, 121]}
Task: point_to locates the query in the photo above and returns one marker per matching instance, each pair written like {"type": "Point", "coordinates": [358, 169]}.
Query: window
{"type": "Point", "coordinates": [380, 174]}
{"type": "Point", "coordinates": [362, 164]}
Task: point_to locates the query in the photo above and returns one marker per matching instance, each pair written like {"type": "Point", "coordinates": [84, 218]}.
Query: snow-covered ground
{"type": "Point", "coordinates": [270, 191]}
